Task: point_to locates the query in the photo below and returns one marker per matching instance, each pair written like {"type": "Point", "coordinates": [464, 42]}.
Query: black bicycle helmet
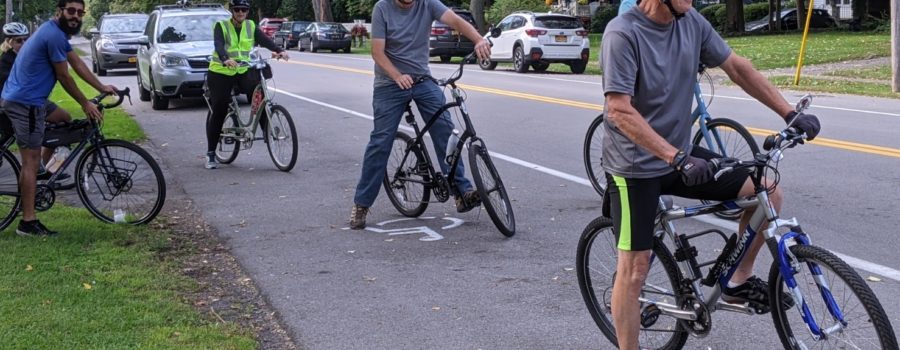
{"type": "Point", "coordinates": [240, 3]}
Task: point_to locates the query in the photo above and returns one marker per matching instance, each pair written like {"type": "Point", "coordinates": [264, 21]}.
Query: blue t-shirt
{"type": "Point", "coordinates": [32, 77]}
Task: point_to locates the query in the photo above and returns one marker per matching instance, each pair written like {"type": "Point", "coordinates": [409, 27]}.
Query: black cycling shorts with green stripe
{"type": "Point", "coordinates": [633, 203]}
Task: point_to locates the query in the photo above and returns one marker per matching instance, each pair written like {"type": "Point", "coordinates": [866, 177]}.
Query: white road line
{"type": "Point", "coordinates": [881, 270]}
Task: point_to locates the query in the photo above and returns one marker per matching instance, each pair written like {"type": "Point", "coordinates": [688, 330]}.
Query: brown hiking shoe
{"type": "Point", "coordinates": [468, 201]}
{"type": "Point", "coordinates": [358, 217]}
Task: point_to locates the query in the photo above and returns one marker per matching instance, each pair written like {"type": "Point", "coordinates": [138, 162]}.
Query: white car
{"type": "Point", "coordinates": [538, 39]}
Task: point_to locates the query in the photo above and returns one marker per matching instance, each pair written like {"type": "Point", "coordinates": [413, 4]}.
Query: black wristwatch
{"type": "Point", "coordinates": [679, 158]}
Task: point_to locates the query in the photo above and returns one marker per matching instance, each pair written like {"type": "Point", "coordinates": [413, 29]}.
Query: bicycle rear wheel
{"type": "Point", "coordinates": [119, 177]}
{"type": "Point", "coordinates": [728, 138]}
{"type": "Point", "coordinates": [229, 147]}
{"type": "Point", "coordinates": [867, 326]}
{"type": "Point", "coordinates": [593, 155]}
{"type": "Point", "coordinates": [281, 138]}
{"type": "Point", "coordinates": [10, 199]}
{"type": "Point", "coordinates": [490, 189]}
{"type": "Point", "coordinates": [406, 178]}
{"type": "Point", "coordinates": [595, 266]}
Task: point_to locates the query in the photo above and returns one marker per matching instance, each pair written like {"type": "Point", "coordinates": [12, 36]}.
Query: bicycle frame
{"type": "Point", "coordinates": [766, 216]}
{"type": "Point", "coordinates": [701, 116]}
{"type": "Point", "coordinates": [243, 130]}
{"type": "Point", "coordinates": [467, 135]}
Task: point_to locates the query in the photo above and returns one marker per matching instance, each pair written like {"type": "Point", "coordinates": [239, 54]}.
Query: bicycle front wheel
{"type": "Point", "coordinates": [406, 177]}
{"type": "Point", "coordinates": [595, 266]}
{"type": "Point", "coordinates": [727, 138]}
{"type": "Point", "coordinates": [281, 139]}
{"type": "Point", "coordinates": [593, 155]}
{"type": "Point", "coordinates": [490, 189]}
{"type": "Point", "coordinates": [10, 199]}
{"type": "Point", "coordinates": [120, 182]}
{"type": "Point", "coordinates": [229, 147]}
{"type": "Point", "coordinates": [821, 275]}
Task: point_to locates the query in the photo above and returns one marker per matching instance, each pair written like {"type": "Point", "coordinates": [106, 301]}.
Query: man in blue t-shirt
{"type": "Point", "coordinates": [649, 57]}
{"type": "Point", "coordinates": [400, 31]}
{"type": "Point", "coordinates": [42, 61]}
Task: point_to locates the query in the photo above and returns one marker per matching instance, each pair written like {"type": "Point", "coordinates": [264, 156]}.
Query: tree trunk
{"type": "Point", "coordinates": [322, 9]}
{"type": "Point", "coordinates": [734, 16]}
{"type": "Point", "coordinates": [801, 14]}
{"type": "Point", "coordinates": [477, 8]}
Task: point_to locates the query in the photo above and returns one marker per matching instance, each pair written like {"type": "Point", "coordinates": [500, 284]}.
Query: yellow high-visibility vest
{"type": "Point", "coordinates": [238, 46]}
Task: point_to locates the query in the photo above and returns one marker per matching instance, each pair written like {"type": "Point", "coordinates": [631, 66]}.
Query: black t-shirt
{"type": "Point", "coordinates": [6, 63]}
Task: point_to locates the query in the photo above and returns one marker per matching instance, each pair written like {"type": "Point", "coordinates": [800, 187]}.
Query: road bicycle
{"type": "Point", "coordinates": [720, 135]}
{"type": "Point", "coordinates": [411, 178]}
{"type": "Point", "coordinates": [116, 180]}
{"type": "Point", "coordinates": [239, 130]}
{"type": "Point", "coordinates": [829, 305]}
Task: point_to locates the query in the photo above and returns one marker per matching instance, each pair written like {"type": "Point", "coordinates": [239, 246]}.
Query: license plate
{"type": "Point", "coordinates": [561, 38]}
{"type": "Point", "coordinates": [132, 59]}
{"type": "Point", "coordinates": [454, 33]}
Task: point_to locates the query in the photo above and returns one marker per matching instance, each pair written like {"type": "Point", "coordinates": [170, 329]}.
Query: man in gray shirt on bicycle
{"type": "Point", "coordinates": [400, 30]}
{"type": "Point", "coordinates": [649, 58]}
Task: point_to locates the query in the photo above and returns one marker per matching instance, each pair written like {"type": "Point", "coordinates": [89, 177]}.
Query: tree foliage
{"type": "Point", "coordinates": [502, 8]}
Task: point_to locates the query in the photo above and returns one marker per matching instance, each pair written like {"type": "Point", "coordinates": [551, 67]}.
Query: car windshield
{"type": "Point", "coordinates": [556, 22]}
{"type": "Point", "coordinates": [177, 29]}
{"type": "Point", "coordinates": [331, 27]}
{"type": "Point", "coordinates": [301, 26]}
{"type": "Point", "coordinates": [123, 24]}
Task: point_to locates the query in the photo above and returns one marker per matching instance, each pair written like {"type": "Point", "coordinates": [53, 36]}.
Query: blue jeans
{"type": "Point", "coordinates": [389, 103]}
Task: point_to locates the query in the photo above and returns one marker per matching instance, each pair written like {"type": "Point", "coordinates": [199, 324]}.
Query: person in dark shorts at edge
{"type": "Point", "coordinates": [16, 34]}
{"type": "Point", "coordinates": [42, 61]}
{"type": "Point", "coordinates": [233, 39]}
{"type": "Point", "coordinates": [649, 58]}
{"type": "Point", "coordinates": [400, 31]}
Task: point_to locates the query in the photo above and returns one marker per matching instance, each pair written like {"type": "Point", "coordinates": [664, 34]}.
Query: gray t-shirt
{"type": "Point", "coordinates": [406, 33]}
{"type": "Point", "coordinates": [657, 66]}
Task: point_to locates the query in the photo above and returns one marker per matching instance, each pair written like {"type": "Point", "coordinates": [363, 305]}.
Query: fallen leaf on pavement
{"type": "Point", "coordinates": [568, 268]}
{"type": "Point", "coordinates": [873, 279]}
{"type": "Point", "coordinates": [436, 308]}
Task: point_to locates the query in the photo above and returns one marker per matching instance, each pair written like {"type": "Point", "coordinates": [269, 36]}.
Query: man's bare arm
{"type": "Point", "coordinates": [629, 121]}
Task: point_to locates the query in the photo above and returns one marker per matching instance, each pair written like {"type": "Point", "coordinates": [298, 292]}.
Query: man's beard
{"type": "Point", "coordinates": [67, 28]}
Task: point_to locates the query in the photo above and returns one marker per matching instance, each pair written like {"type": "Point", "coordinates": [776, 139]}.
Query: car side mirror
{"type": "Point", "coordinates": [495, 32]}
{"type": "Point", "coordinates": [141, 40]}
{"type": "Point", "coordinates": [94, 31]}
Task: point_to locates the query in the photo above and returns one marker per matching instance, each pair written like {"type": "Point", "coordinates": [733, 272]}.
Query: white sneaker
{"type": "Point", "coordinates": [211, 162]}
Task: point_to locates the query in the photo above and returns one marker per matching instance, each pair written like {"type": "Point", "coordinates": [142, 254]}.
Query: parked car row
{"type": "Point", "coordinates": [313, 36]}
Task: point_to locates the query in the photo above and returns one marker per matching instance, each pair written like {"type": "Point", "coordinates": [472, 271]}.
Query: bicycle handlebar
{"type": "Point", "coordinates": [774, 144]}
{"type": "Point", "coordinates": [121, 93]}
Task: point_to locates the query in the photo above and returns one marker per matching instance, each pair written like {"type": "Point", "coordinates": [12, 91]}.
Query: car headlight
{"type": "Point", "coordinates": [106, 44]}
{"type": "Point", "coordinates": [172, 61]}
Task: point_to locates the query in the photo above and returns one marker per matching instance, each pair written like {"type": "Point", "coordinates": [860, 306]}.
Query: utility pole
{"type": "Point", "coordinates": [895, 45]}
{"type": "Point", "coordinates": [9, 8]}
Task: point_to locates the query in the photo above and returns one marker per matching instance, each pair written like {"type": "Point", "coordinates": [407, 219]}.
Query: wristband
{"type": "Point", "coordinates": [677, 160]}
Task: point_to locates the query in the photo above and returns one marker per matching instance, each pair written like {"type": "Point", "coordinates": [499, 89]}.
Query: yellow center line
{"type": "Point", "coordinates": [852, 146]}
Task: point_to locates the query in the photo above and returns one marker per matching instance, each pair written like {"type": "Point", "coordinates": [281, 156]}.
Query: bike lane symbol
{"type": "Point", "coordinates": [430, 234]}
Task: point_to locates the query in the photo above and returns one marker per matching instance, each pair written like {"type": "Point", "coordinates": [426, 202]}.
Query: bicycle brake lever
{"type": "Point", "coordinates": [722, 172]}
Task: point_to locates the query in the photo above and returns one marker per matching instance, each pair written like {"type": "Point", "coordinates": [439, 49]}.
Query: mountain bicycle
{"type": "Point", "coordinates": [720, 135]}
{"type": "Point", "coordinates": [116, 180]}
{"type": "Point", "coordinates": [411, 178]}
{"type": "Point", "coordinates": [239, 130]}
{"type": "Point", "coordinates": [832, 304]}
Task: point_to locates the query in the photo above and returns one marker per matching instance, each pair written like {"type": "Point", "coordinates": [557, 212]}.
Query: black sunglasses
{"type": "Point", "coordinates": [72, 11]}
{"type": "Point", "coordinates": [240, 9]}
{"type": "Point", "coordinates": [20, 40]}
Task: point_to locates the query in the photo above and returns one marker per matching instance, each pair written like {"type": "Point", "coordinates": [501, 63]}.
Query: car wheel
{"type": "Point", "coordinates": [519, 60]}
{"type": "Point", "coordinates": [445, 59]}
{"type": "Point", "coordinates": [143, 93]}
{"type": "Point", "coordinates": [284, 45]}
{"type": "Point", "coordinates": [333, 50]}
{"type": "Point", "coordinates": [93, 66]}
{"type": "Point", "coordinates": [100, 71]}
{"type": "Point", "coordinates": [347, 49]}
{"type": "Point", "coordinates": [578, 66]}
{"type": "Point", "coordinates": [487, 64]}
{"type": "Point", "coordinates": [157, 101]}
{"type": "Point", "coordinates": [540, 67]}
{"type": "Point", "coordinates": [312, 46]}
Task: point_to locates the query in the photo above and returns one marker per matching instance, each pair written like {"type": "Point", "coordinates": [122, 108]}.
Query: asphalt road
{"type": "Point", "coordinates": [474, 289]}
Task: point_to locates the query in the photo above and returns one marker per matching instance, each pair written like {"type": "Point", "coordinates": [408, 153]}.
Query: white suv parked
{"type": "Point", "coordinates": [539, 39]}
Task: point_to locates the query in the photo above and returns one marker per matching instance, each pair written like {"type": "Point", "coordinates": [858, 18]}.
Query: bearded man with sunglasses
{"type": "Point", "coordinates": [233, 39]}
{"type": "Point", "coordinates": [42, 61]}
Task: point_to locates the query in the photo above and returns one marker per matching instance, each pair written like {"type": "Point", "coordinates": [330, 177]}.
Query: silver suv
{"type": "Point", "coordinates": [538, 39]}
{"type": "Point", "coordinates": [175, 51]}
{"type": "Point", "coordinates": [106, 50]}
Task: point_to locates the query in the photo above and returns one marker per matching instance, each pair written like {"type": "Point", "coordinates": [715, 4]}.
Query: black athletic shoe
{"type": "Point", "coordinates": [755, 292]}
{"type": "Point", "coordinates": [467, 201]}
{"type": "Point", "coordinates": [34, 228]}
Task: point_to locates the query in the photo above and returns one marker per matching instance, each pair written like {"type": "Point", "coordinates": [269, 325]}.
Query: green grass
{"type": "Point", "coordinates": [882, 72]}
{"type": "Point", "coordinates": [133, 299]}
{"type": "Point", "coordinates": [80, 52]}
{"type": "Point", "coordinates": [116, 123]}
{"type": "Point", "coordinates": [780, 51]}
{"type": "Point", "coordinates": [835, 86]}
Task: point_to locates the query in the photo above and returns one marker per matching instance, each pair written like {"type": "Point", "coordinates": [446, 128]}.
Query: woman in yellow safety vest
{"type": "Point", "coordinates": [233, 39]}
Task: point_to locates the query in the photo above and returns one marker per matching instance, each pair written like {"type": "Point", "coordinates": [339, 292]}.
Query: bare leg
{"type": "Point", "coordinates": [631, 271]}
{"type": "Point", "coordinates": [745, 268]}
{"type": "Point", "coordinates": [28, 181]}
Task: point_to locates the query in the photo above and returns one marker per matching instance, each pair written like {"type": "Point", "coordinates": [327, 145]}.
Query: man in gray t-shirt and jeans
{"type": "Point", "coordinates": [400, 30]}
{"type": "Point", "coordinates": [649, 57]}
